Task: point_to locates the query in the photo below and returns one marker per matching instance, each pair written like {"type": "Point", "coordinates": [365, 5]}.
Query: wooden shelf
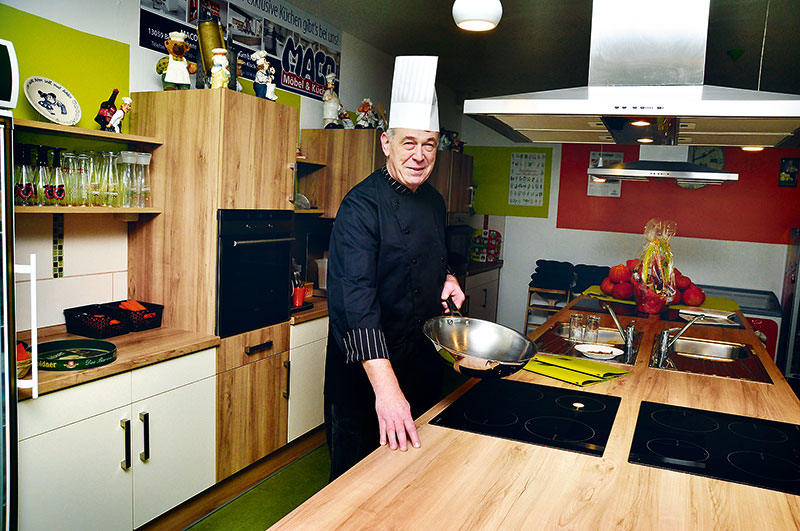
{"type": "Point", "coordinates": [84, 210]}
{"type": "Point", "coordinates": [79, 132]}
{"type": "Point", "coordinates": [310, 162]}
{"type": "Point", "coordinates": [309, 211]}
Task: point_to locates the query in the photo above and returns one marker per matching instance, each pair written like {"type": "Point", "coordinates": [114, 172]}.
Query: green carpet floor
{"type": "Point", "coordinates": [273, 498]}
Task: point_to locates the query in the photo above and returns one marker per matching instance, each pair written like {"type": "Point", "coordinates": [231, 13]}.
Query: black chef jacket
{"type": "Point", "coordinates": [387, 264]}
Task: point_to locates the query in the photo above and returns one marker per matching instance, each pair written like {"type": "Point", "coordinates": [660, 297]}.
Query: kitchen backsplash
{"type": "Point", "coordinates": [95, 264]}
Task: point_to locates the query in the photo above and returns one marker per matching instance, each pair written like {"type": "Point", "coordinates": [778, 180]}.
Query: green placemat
{"type": "Point", "coordinates": [573, 370]}
{"type": "Point", "coordinates": [559, 373]}
{"type": "Point", "coordinates": [712, 303]}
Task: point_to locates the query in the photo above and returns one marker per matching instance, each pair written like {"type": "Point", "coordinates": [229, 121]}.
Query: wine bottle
{"type": "Point", "coordinates": [107, 110]}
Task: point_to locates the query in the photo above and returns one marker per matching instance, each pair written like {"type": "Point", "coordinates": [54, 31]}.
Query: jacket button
{"type": "Point", "coordinates": [406, 231]}
{"type": "Point", "coordinates": [413, 260]}
{"type": "Point", "coordinates": [416, 292]}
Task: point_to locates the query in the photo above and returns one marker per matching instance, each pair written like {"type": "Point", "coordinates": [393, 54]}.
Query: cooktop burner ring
{"type": "Point", "coordinates": [580, 404]}
{"type": "Point", "coordinates": [485, 416]}
{"type": "Point", "coordinates": [757, 432]}
{"type": "Point", "coordinates": [559, 429]}
{"type": "Point", "coordinates": [678, 451]}
{"type": "Point", "coordinates": [766, 466]}
{"type": "Point", "coordinates": [683, 420]}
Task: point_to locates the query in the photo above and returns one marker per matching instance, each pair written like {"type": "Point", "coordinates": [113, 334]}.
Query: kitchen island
{"type": "Point", "coordinates": [462, 480]}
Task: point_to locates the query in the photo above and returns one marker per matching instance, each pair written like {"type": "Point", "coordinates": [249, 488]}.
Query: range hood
{"type": "Point", "coordinates": [647, 61]}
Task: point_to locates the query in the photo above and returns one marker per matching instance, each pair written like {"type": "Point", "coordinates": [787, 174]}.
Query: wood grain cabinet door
{"type": "Point", "coordinates": [452, 177]}
{"type": "Point", "coordinates": [259, 141]}
{"type": "Point", "coordinates": [251, 413]}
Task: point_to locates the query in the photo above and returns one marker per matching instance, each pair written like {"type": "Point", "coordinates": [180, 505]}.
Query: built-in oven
{"type": "Point", "coordinates": [253, 269]}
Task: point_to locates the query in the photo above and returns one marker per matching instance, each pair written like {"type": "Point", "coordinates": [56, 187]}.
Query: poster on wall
{"type": "Point", "coordinates": [302, 48]}
{"type": "Point", "coordinates": [606, 189]}
{"type": "Point", "coordinates": [526, 185]}
{"type": "Point", "coordinates": [787, 178]}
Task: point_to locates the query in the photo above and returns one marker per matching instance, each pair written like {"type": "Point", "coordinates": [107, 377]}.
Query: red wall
{"type": "Point", "coordinates": [752, 209]}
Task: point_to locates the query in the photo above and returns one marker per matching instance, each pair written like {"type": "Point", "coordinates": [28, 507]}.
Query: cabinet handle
{"type": "Point", "coordinates": [145, 418]}
{"type": "Point", "coordinates": [288, 365]}
{"type": "Point", "coordinates": [485, 296]}
{"type": "Point", "coordinates": [126, 426]}
{"type": "Point", "coordinates": [258, 348]}
{"type": "Point", "coordinates": [471, 196]}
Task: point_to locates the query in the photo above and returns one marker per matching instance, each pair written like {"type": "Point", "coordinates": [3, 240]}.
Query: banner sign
{"type": "Point", "coordinates": [302, 48]}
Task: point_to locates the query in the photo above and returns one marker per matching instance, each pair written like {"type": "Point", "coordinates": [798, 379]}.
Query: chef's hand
{"type": "Point", "coordinates": [394, 414]}
{"type": "Point", "coordinates": [451, 287]}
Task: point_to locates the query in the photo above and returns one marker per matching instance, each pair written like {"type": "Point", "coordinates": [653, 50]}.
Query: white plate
{"type": "Point", "coordinates": [52, 101]}
{"type": "Point", "coordinates": [598, 352]}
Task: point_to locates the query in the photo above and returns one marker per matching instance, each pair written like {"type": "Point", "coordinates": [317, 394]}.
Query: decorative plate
{"type": "Point", "coordinates": [598, 352]}
{"type": "Point", "coordinates": [52, 101]}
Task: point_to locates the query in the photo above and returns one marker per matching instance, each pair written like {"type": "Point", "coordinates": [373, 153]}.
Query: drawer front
{"type": "Point", "coordinates": [255, 345]}
{"type": "Point", "coordinates": [308, 332]}
{"type": "Point", "coordinates": [171, 374]}
{"type": "Point", "coordinates": [480, 279]}
{"type": "Point", "coordinates": [54, 410]}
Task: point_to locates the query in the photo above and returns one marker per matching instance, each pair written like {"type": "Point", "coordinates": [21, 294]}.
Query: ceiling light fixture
{"type": "Point", "coordinates": [477, 15]}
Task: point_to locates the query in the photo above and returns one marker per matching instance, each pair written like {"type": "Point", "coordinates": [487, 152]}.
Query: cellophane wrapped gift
{"type": "Point", "coordinates": [653, 279]}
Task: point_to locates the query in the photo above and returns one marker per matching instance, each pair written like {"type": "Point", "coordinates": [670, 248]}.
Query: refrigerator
{"type": "Point", "coordinates": [9, 86]}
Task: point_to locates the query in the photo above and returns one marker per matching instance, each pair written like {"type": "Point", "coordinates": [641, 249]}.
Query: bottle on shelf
{"type": "Point", "coordinates": [143, 179]}
{"type": "Point", "coordinates": [126, 166]}
{"type": "Point", "coordinates": [83, 164]}
{"type": "Point", "coordinates": [58, 183]}
{"type": "Point", "coordinates": [109, 180]}
{"type": "Point", "coordinates": [42, 178]}
{"type": "Point", "coordinates": [69, 165]}
{"type": "Point", "coordinates": [24, 180]}
{"type": "Point", "coordinates": [107, 110]}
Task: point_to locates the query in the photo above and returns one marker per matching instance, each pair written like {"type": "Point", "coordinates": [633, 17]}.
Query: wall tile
{"type": "Point", "coordinates": [53, 295]}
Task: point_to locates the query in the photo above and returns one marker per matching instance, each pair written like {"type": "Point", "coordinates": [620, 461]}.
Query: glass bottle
{"type": "Point", "coordinates": [94, 185]}
{"type": "Point", "coordinates": [28, 177]}
{"type": "Point", "coordinates": [127, 176]}
{"type": "Point", "coordinates": [143, 178]}
{"type": "Point", "coordinates": [69, 163]}
{"type": "Point", "coordinates": [42, 178]}
{"type": "Point", "coordinates": [58, 193]}
{"type": "Point", "coordinates": [84, 171]}
{"type": "Point", "coordinates": [109, 179]}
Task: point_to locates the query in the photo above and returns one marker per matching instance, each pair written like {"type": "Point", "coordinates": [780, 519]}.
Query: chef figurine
{"type": "Point", "coordinates": [330, 105]}
{"type": "Point", "coordinates": [219, 72]}
{"type": "Point", "coordinates": [264, 73]}
{"type": "Point", "coordinates": [118, 116]}
{"type": "Point", "coordinates": [366, 115]}
{"type": "Point", "coordinates": [175, 68]}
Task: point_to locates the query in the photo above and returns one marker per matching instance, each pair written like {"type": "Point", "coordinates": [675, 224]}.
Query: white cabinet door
{"type": "Point", "coordinates": [180, 440]}
{"type": "Point", "coordinates": [483, 301]}
{"type": "Point", "coordinates": [71, 478]}
{"type": "Point", "coordinates": [306, 376]}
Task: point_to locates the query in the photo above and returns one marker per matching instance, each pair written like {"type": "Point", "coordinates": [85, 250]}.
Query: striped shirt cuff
{"type": "Point", "coordinates": [365, 344]}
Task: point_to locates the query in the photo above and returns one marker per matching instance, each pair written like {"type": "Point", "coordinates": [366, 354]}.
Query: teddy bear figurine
{"type": "Point", "coordinates": [219, 72]}
{"type": "Point", "coordinates": [175, 68]}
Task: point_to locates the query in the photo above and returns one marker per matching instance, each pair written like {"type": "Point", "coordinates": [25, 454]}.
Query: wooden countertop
{"type": "Point", "coordinates": [134, 350]}
{"type": "Point", "coordinates": [460, 480]}
{"type": "Point", "coordinates": [320, 309]}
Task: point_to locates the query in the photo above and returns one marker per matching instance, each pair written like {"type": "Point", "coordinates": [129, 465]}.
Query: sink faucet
{"type": "Point", "coordinates": [667, 341]}
{"type": "Point", "coordinates": [628, 334]}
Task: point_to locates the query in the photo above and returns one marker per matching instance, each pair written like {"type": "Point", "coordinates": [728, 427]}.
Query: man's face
{"type": "Point", "coordinates": [410, 155]}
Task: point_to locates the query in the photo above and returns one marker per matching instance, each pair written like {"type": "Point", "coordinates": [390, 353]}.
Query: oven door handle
{"type": "Point", "coordinates": [236, 243]}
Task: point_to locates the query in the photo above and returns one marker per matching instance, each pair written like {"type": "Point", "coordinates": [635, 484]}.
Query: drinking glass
{"type": "Point", "coordinates": [592, 328]}
{"type": "Point", "coordinates": [84, 171]}
{"type": "Point", "coordinates": [576, 327]}
{"type": "Point", "coordinates": [69, 163]}
{"type": "Point", "coordinates": [126, 165]}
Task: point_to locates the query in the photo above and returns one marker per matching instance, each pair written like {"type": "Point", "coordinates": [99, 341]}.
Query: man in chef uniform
{"type": "Point", "coordinates": [388, 274]}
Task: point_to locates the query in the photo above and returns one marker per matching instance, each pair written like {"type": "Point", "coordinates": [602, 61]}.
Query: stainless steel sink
{"type": "Point", "coordinates": [713, 358]}
{"type": "Point", "coordinates": [556, 341]}
{"type": "Point", "coordinates": [710, 350]}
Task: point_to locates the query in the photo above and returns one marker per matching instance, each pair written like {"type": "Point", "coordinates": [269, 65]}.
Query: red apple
{"type": "Point", "coordinates": [619, 273]}
{"type": "Point", "coordinates": [693, 296]}
{"type": "Point", "coordinates": [682, 282]}
{"type": "Point", "coordinates": [606, 286]}
{"type": "Point", "coordinates": [633, 264]}
{"type": "Point", "coordinates": [623, 290]}
{"type": "Point", "coordinates": [677, 272]}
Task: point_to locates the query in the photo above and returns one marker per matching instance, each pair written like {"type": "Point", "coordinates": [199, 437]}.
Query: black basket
{"type": "Point", "coordinates": [93, 320]}
{"type": "Point", "coordinates": [137, 320]}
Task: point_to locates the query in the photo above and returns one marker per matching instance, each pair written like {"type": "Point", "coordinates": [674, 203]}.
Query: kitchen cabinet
{"type": "Point", "coordinates": [117, 452]}
{"type": "Point", "coordinates": [222, 150]}
{"type": "Point", "coordinates": [452, 176]}
{"type": "Point", "coordinates": [56, 135]}
{"type": "Point", "coordinates": [307, 346]}
{"type": "Point", "coordinates": [252, 394]}
{"type": "Point", "coordinates": [481, 293]}
{"type": "Point", "coordinates": [349, 155]}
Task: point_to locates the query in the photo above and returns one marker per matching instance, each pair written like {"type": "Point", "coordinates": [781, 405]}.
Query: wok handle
{"type": "Point", "coordinates": [452, 306]}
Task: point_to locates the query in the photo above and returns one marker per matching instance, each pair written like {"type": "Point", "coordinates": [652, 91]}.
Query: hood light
{"type": "Point", "coordinates": [645, 140]}
{"type": "Point", "coordinates": [477, 15]}
{"type": "Point", "coordinates": [640, 123]}
{"type": "Point", "coordinates": [752, 148]}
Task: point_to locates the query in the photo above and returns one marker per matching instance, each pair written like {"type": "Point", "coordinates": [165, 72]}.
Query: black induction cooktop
{"type": "Point", "coordinates": [535, 414]}
{"type": "Point", "coordinates": [758, 452]}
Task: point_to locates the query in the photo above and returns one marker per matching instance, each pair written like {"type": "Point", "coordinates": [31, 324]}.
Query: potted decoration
{"type": "Point", "coordinates": [652, 277]}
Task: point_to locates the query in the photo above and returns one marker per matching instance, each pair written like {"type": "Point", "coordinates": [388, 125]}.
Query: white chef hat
{"type": "Point", "coordinates": [177, 36]}
{"type": "Point", "coordinates": [414, 103]}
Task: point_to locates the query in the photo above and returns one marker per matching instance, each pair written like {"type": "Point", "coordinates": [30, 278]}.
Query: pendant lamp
{"type": "Point", "coordinates": [477, 15]}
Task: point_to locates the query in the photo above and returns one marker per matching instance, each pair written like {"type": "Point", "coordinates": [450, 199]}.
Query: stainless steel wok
{"type": "Point", "coordinates": [478, 348]}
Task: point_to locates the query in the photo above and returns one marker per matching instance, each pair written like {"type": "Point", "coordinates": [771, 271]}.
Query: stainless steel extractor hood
{"type": "Point", "coordinates": [647, 60]}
